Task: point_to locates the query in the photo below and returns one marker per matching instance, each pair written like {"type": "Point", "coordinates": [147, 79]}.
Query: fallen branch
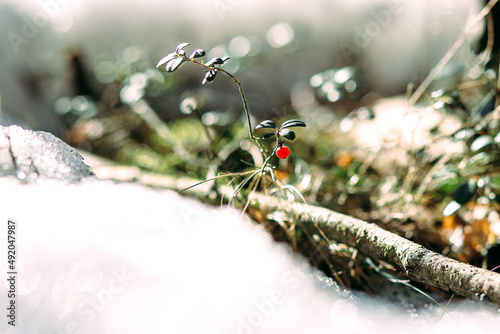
{"type": "Point", "coordinates": [417, 262]}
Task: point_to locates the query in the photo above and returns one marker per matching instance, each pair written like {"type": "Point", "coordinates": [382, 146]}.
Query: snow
{"type": "Point", "coordinates": [100, 257]}
{"type": "Point", "coordinates": [29, 154]}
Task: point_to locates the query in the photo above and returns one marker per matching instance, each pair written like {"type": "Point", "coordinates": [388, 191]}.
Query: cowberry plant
{"type": "Point", "coordinates": [282, 151]}
{"type": "Point", "coordinates": [173, 61]}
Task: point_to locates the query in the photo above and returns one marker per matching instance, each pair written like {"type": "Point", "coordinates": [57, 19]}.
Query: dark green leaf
{"type": "Point", "coordinates": [268, 135]}
{"type": "Point", "coordinates": [465, 192]}
{"type": "Point", "coordinates": [197, 53]}
{"type": "Point", "coordinates": [216, 61]}
{"type": "Point", "coordinates": [451, 208]}
{"type": "Point", "coordinates": [266, 124]}
{"type": "Point", "coordinates": [291, 123]}
{"type": "Point", "coordinates": [209, 76]}
{"type": "Point", "coordinates": [339, 172]}
{"type": "Point", "coordinates": [174, 64]}
{"type": "Point", "coordinates": [213, 61]}
{"type": "Point", "coordinates": [446, 179]}
{"type": "Point", "coordinates": [480, 143]}
{"type": "Point", "coordinates": [448, 184]}
{"type": "Point", "coordinates": [167, 58]}
{"type": "Point", "coordinates": [494, 182]}
{"type": "Point", "coordinates": [181, 46]}
{"type": "Point", "coordinates": [288, 134]}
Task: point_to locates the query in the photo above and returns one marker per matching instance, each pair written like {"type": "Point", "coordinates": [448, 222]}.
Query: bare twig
{"type": "Point", "coordinates": [417, 262]}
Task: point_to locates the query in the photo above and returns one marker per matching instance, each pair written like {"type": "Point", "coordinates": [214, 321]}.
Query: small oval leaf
{"type": "Point", "coordinates": [497, 138]}
{"type": "Point", "coordinates": [181, 46]}
{"type": "Point", "coordinates": [213, 61]}
{"type": "Point", "coordinates": [480, 143]}
{"type": "Point", "coordinates": [197, 53]}
{"type": "Point", "coordinates": [288, 134]}
{"type": "Point", "coordinates": [448, 183]}
{"type": "Point", "coordinates": [209, 76]}
{"type": "Point", "coordinates": [268, 135]}
{"type": "Point", "coordinates": [266, 124]}
{"type": "Point", "coordinates": [291, 123]}
{"type": "Point", "coordinates": [167, 58]}
{"type": "Point", "coordinates": [451, 208]}
{"type": "Point", "coordinates": [465, 192]}
{"type": "Point", "coordinates": [174, 64]}
{"type": "Point", "coordinates": [462, 134]}
{"type": "Point", "coordinates": [216, 61]}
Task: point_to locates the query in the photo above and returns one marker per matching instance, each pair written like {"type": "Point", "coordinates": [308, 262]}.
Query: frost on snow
{"type": "Point", "coordinates": [30, 154]}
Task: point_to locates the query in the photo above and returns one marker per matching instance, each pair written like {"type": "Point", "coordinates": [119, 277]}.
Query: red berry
{"type": "Point", "coordinates": [282, 152]}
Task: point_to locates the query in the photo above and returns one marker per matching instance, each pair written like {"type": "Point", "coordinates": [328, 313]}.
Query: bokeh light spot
{"type": "Point", "coordinates": [280, 35]}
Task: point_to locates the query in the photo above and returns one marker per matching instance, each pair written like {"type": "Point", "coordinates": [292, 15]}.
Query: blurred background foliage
{"type": "Point", "coordinates": [429, 173]}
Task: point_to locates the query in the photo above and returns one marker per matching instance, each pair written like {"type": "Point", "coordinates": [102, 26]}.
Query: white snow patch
{"type": "Point", "coordinates": [120, 258]}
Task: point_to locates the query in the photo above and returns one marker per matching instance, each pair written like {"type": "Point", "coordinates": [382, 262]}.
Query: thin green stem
{"type": "Point", "coordinates": [267, 159]}
{"type": "Point", "coordinates": [245, 103]}
{"type": "Point", "coordinates": [243, 99]}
